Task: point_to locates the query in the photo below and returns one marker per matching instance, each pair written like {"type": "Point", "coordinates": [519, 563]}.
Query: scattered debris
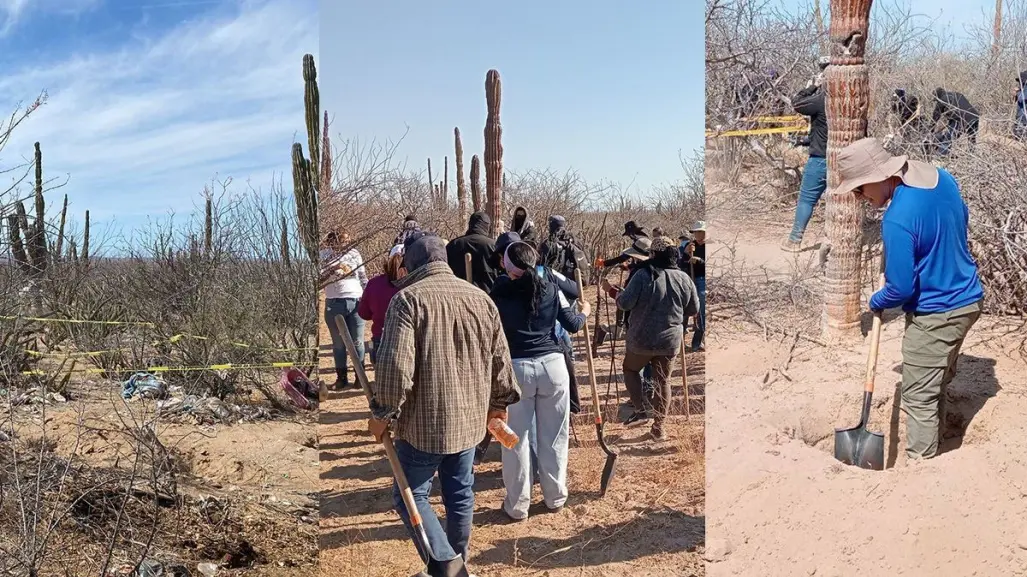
{"type": "Point", "coordinates": [211, 410]}
{"type": "Point", "coordinates": [146, 385]}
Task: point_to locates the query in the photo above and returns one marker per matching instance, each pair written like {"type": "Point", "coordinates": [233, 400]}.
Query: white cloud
{"type": "Point", "coordinates": [142, 127]}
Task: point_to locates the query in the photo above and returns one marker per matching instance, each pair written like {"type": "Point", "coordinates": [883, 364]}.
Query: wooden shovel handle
{"type": "Point", "coordinates": [588, 354]}
{"type": "Point", "coordinates": [467, 267]}
{"type": "Point", "coordinates": [875, 345]}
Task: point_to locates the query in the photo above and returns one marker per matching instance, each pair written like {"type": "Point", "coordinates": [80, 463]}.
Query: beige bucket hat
{"type": "Point", "coordinates": [639, 249]}
{"type": "Point", "coordinates": [866, 161]}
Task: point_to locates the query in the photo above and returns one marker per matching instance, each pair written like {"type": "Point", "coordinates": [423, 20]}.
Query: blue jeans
{"type": "Point", "coordinates": [814, 183]}
{"type": "Point", "coordinates": [347, 308]}
{"type": "Point", "coordinates": [456, 475]}
{"type": "Point", "coordinates": [700, 319]}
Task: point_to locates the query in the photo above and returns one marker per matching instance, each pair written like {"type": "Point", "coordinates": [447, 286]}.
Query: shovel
{"type": "Point", "coordinates": [420, 536]}
{"type": "Point", "coordinates": [858, 446]}
{"type": "Point", "coordinates": [611, 457]}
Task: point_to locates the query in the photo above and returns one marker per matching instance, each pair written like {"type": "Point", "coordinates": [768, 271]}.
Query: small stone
{"type": "Point", "coordinates": [207, 569]}
{"type": "Point", "coordinates": [717, 550]}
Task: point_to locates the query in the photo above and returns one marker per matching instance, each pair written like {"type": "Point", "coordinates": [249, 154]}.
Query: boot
{"type": "Point", "coordinates": [452, 568]}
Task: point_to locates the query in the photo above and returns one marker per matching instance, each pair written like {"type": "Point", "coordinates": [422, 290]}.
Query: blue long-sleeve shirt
{"type": "Point", "coordinates": [928, 265]}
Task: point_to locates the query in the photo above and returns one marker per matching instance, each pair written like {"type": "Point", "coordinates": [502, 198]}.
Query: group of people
{"type": "Point", "coordinates": [454, 348]}
{"type": "Point", "coordinates": [953, 116]}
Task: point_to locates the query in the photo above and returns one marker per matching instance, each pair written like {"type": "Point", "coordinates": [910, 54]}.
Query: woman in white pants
{"type": "Point", "coordinates": [530, 306]}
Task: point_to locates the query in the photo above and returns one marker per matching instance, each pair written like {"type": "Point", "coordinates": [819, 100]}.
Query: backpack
{"type": "Point", "coordinates": [565, 256]}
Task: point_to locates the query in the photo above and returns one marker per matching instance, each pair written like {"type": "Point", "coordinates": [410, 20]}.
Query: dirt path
{"type": "Point", "coordinates": [649, 524]}
{"type": "Point", "coordinates": [784, 506]}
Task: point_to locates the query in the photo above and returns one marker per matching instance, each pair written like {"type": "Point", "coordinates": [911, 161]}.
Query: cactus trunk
{"type": "Point", "coordinates": [208, 226]}
{"type": "Point", "coordinates": [493, 148]}
{"type": "Point", "coordinates": [431, 184]}
{"type": "Point", "coordinates": [326, 161]}
{"type": "Point", "coordinates": [475, 183]}
{"type": "Point", "coordinates": [312, 114]}
{"type": "Point", "coordinates": [445, 183]}
{"type": "Point", "coordinates": [285, 241]}
{"type": "Point", "coordinates": [848, 100]}
{"type": "Point", "coordinates": [461, 187]}
{"type": "Point", "coordinates": [17, 246]}
{"type": "Point", "coordinates": [306, 202]}
{"type": "Point", "coordinates": [85, 242]}
{"type": "Point", "coordinates": [59, 248]}
{"type": "Point", "coordinates": [39, 245]}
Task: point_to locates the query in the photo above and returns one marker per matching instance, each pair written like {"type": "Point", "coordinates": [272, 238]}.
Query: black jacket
{"type": "Point", "coordinates": [811, 102]}
{"type": "Point", "coordinates": [482, 248]}
{"type": "Point", "coordinates": [523, 225]}
{"type": "Point", "coordinates": [530, 335]}
{"type": "Point", "coordinates": [953, 107]}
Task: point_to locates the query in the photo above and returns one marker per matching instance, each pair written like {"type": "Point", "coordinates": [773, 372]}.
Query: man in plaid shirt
{"type": "Point", "coordinates": [443, 371]}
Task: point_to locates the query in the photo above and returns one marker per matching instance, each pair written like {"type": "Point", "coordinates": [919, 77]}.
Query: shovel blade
{"type": "Point", "coordinates": [859, 447]}
{"type": "Point", "coordinates": [608, 470]}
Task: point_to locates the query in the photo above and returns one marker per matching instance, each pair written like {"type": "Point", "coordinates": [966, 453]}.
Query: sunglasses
{"type": "Point", "coordinates": [858, 192]}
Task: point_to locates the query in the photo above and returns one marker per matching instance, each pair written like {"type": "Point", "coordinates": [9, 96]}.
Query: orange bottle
{"type": "Point", "coordinates": [503, 433]}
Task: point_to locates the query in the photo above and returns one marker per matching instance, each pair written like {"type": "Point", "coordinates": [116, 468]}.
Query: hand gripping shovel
{"type": "Point", "coordinates": [611, 457]}
{"type": "Point", "coordinates": [858, 446]}
{"type": "Point", "coordinates": [453, 568]}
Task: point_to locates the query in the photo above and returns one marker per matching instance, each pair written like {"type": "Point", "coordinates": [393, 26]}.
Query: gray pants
{"type": "Point", "coordinates": [545, 399]}
{"type": "Point", "coordinates": [930, 350]}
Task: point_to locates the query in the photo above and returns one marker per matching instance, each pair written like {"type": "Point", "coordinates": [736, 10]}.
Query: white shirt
{"type": "Point", "coordinates": [351, 286]}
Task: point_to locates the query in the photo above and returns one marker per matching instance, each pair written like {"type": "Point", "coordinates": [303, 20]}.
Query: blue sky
{"type": "Point", "coordinates": [151, 99]}
{"type": "Point", "coordinates": [603, 87]}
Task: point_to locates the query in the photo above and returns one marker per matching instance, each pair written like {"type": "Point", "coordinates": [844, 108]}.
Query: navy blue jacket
{"type": "Point", "coordinates": [529, 335]}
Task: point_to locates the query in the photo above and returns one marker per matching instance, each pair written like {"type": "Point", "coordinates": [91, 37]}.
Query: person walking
{"type": "Point", "coordinates": [377, 295]}
{"type": "Point", "coordinates": [1020, 123]}
{"type": "Point", "coordinates": [342, 296]}
{"type": "Point", "coordinates": [660, 298]}
{"type": "Point", "coordinates": [481, 247]}
{"type": "Point", "coordinates": [530, 307]}
{"type": "Point", "coordinates": [695, 265]}
{"type": "Point", "coordinates": [929, 272]}
{"type": "Point", "coordinates": [443, 372]}
{"type": "Point", "coordinates": [811, 102]}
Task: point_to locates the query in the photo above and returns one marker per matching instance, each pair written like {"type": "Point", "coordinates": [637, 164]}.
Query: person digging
{"type": "Point", "coordinates": [929, 272]}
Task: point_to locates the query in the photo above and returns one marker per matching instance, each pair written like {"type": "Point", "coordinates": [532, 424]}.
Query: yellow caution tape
{"type": "Point", "coordinates": [775, 119]}
{"type": "Point", "coordinates": [756, 131]}
{"type": "Point", "coordinates": [164, 369]}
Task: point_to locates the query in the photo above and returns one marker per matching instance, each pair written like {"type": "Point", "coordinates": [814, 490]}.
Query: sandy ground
{"type": "Point", "coordinates": [651, 522]}
{"type": "Point", "coordinates": [263, 474]}
{"type": "Point", "coordinates": [781, 505]}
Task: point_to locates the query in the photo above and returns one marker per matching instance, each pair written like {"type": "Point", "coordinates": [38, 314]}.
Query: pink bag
{"type": "Point", "coordinates": [299, 389]}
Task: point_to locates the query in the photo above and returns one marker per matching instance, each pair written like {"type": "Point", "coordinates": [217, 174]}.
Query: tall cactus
{"type": "Point", "coordinates": [475, 183]}
{"type": "Point", "coordinates": [85, 242]}
{"type": "Point", "coordinates": [38, 246]}
{"type": "Point", "coordinates": [445, 181]}
{"type": "Point", "coordinates": [306, 202]}
{"type": "Point", "coordinates": [312, 113]}
{"type": "Point", "coordinates": [325, 189]}
{"type": "Point", "coordinates": [17, 247]}
{"type": "Point", "coordinates": [431, 184]}
{"type": "Point", "coordinates": [493, 149]}
{"type": "Point", "coordinates": [848, 102]}
{"type": "Point", "coordinates": [461, 187]}
{"type": "Point", "coordinates": [208, 226]}
{"type": "Point", "coordinates": [59, 248]}
{"type": "Point", "coordinates": [306, 175]}
{"type": "Point", "coordinates": [285, 241]}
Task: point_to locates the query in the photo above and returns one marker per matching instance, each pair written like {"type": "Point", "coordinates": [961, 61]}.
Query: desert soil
{"type": "Point", "coordinates": [262, 476]}
{"type": "Point", "coordinates": [650, 523]}
{"type": "Point", "coordinates": [781, 503]}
